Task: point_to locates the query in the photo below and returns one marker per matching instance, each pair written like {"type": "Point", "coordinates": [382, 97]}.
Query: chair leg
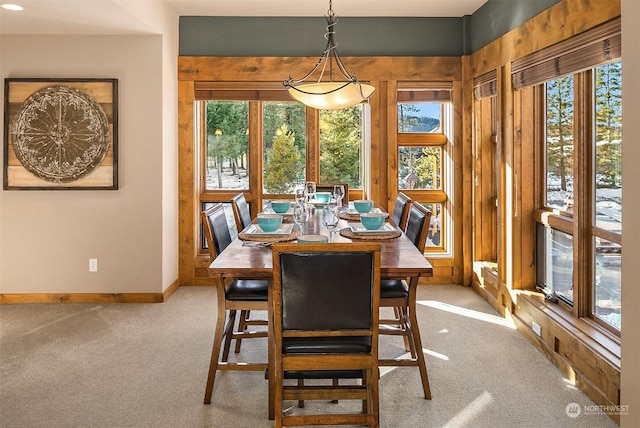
{"type": "Point", "coordinates": [228, 332]}
{"type": "Point", "coordinates": [417, 341]}
{"type": "Point", "coordinates": [300, 385]}
{"type": "Point", "coordinates": [242, 326]}
{"type": "Point", "coordinates": [215, 353]}
{"type": "Point", "coordinates": [335, 385]}
{"type": "Point", "coordinates": [409, 344]}
{"type": "Point", "coordinates": [401, 314]}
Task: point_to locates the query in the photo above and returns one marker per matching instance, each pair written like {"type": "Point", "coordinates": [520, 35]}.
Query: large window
{"type": "Point", "coordinates": [265, 146]}
{"type": "Point", "coordinates": [424, 154]}
{"type": "Point", "coordinates": [226, 163]}
{"type": "Point", "coordinates": [579, 231]}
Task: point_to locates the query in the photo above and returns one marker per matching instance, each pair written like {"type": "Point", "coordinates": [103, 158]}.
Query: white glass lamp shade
{"type": "Point", "coordinates": [331, 95]}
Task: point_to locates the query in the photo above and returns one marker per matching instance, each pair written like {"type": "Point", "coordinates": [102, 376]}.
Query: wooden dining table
{"type": "Point", "coordinates": [399, 259]}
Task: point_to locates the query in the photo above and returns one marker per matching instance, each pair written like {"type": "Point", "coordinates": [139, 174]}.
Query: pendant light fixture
{"type": "Point", "coordinates": [329, 94]}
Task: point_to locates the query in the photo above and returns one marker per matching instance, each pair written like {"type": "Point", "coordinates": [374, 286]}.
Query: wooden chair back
{"type": "Point", "coordinates": [401, 210]}
{"type": "Point", "coordinates": [417, 226]}
{"type": "Point", "coordinates": [216, 229]}
{"type": "Point", "coordinates": [241, 211]}
{"type": "Point", "coordinates": [325, 306]}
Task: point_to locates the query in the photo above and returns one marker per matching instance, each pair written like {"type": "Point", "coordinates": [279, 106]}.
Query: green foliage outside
{"type": "Point", "coordinates": [340, 142]}
{"type": "Point", "coordinates": [227, 138]}
{"type": "Point", "coordinates": [424, 162]}
{"type": "Point", "coordinates": [608, 94]}
{"type": "Point", "coordinates": [284, 160]}
{"type": "Point", "coordinates": [284, 143]}
{"type": "Point", "coordinates": [560, 129]}
{"type": "Point", "coordinates": [283, 163]}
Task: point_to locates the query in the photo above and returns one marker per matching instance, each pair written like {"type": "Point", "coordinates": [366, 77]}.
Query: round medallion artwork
{"type": "Point", "coordinates": [61, 134]}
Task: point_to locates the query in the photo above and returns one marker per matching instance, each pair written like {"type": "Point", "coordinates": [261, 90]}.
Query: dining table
{"type": "Point", "coordinates": [251, 259]}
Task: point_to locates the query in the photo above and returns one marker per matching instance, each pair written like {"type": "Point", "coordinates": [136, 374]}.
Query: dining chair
{"type": "Point", "coordinates": [232, 295]}
{"type": "Point", "coordinates": [242, 217]}
{"type": "Point", "coordinates": [325, 311]}
{"type": "Point", "coordinates": [401, 210]}
{"type": "Point", "coordinates": [241, 211]}
{"type": "Point", "coordinates": [399, 295]}
{"type": "Point", "coordinates": [328, 187]}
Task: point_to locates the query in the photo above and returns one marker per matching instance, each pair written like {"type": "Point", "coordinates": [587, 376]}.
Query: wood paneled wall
{"type": "Point", "coordinates": [384, 73]}
{"type": "Point", "coordinates": [583, 352]}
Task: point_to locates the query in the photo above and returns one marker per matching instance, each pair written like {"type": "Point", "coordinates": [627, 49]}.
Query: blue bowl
{"type": "Point", "coordinates": [363, 205]}
{"type": "Point", "coordinates": [280, 207]}
{"type": "Point", "coordinates": [323, 197]}
{"type": "Point", "coordinates": [312, 239]}
{"type": "Point", "coordinates": [269, 222]}
{"type": "Point", "coordinates": [372, 221]}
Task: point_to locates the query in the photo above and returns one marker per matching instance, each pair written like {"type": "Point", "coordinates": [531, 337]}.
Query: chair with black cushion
{"type": "Point", "coordinates": [325, 311]}
{"type": "Point", "coordinates": [242, 217]}
{"type": "Point", "coordinates": [399, 295]}
{"type": "Point", "coordinates": [401, 210]}
{"type": "Point", "coordinates": [232, 296]}
{"type": "Point", "coordinates": [241, 211]}
{"type": "Point", "coordinates": [326, 187]}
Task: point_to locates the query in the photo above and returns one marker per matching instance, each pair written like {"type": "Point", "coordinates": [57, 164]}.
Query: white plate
{"type": "Point", "coordinates": [254, 230]}
{"type": "Point", "coordinates": [352, 211]}
{"type": "Point", "coordinates": [317, 203]}
{"type": "Point", "coordinates": [358, 228]}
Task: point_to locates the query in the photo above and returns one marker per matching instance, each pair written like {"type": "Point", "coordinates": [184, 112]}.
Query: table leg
{"type": "Point", "coordinates": [270, 354]}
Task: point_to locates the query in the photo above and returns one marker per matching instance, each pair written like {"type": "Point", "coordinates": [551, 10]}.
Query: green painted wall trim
{"type": "Point", "coordinates": [355, 36]}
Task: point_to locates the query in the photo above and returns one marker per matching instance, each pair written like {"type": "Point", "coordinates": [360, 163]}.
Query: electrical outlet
{"type": "Point", "coordinates": [93, 265]}
{"type": "Point", "coordinates": [536, 328]}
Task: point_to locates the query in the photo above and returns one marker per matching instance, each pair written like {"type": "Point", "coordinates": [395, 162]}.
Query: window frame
{"type": "Point", "coordinates": [580, 223]}
{"type": "Point", "coordinates": [433, 92]}
{"type": "Point", "coordinates": [256, 94]}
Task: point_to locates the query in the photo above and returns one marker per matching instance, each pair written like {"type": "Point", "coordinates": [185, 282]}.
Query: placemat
{"type": "Point", "coordinates": [349, 217]}
{"type": "Point", "coordinates": [346, 215]}
{"type": "Point", "coordinates": [348, 233]}
{"type": "Point", "coordinates": [272, 239]}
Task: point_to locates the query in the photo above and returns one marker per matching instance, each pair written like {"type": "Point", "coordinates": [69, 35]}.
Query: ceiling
{"type": "Point", "coordinates": [142, 16]}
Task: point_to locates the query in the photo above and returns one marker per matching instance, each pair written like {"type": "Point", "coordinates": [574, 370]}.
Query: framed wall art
{"type": "Point", "coordinates": [60, 134]}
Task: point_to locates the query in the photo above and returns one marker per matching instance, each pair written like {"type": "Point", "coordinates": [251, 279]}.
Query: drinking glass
{"type": "Point", "coordinates": [338, 193]}
{"type": "Point", "coordinates": [311, 189]}
{"type": "Point", "coordinates": [300, 215]}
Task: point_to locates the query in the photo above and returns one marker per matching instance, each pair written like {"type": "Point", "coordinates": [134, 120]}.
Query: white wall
{"type": "Point", "coordinates": [47, 237]}
{"type": "Point", "coordinates": [170, 151]}
{"type": "Point", "coordinates": [630, 388]}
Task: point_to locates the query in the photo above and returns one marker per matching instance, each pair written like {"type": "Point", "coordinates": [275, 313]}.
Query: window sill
{"type": "Point", "coordinates": [595, 339]}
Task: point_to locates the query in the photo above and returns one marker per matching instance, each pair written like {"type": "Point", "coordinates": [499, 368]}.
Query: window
{"type": "Point", "coordinates": [226, 162]}
{"type": "Point", "coordinates": [341, 146]}
{"type": "Point", "coordinates": [257, 142]}
{"type": "Point", "coordinates": [284, 146]}
{"type": "Point", "coordinates": [579, 222]}
{"type": "Point", "coordinates": [559, 143]}
{"type": "Point", "coordinates": [424, 160]}
{"type": "Point", "coordinates": [607, 196]}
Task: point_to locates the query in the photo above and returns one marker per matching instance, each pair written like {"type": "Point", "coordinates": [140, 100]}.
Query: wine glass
{"type": "Point", "coordinates": [338, 193]}
{"type": "Point", "coordinates": [330, 218]}
{"type": "Point", "coordinates": [300, 195]}
{"type": "Point", "coordinates": [311, 189]}
{"type": "Point", "coordinates": [300, 215]}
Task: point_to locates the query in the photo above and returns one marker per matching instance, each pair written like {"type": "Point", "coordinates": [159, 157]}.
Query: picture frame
{"type": "Point", "coordinates": [60, 134]}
